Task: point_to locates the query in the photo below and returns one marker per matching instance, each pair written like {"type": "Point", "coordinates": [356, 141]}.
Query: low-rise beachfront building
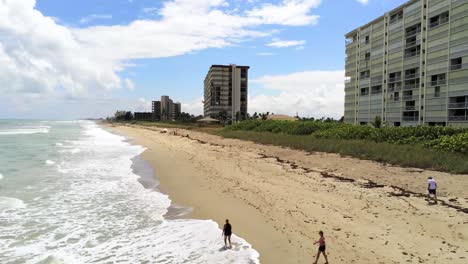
{"type": "Point", "coordinates": [410, 66]}
{"type": "Point", "coordinates": [225, 92]}
{"type": "Point", "coordinates": [145, 116]}
{"type": "Point", "coordinates": [166, 109]}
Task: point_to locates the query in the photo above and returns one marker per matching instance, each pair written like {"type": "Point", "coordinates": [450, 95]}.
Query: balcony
{"type": "Point", "coordinates": [410, 118]}
{"type": "Point", "coordinates": [456, 67]}
{"type": "Point", "coordinates": [409, 97]}
{"type": "Point", "coordinates": [413, 32]}
{"type": "Point", "coordinates": [439, 22]}
{"type": "Point", "coordinates": [412, 54]}
{"type": "Point", "coordinates": [458, 118]}
{"type": "Point", "coordinates": [411, 76]}
{"type": "Point", "coordinates": [410, 108]}
{"type": "Point", "coordinates": [412, 43]}
{"type": "Point", "coordinates": [394, 89]}
{"type": "Point", "coordinates": [438, 82]}
{"type": "Point", "coordinates": [411, 86]}
{"type": "Point", "coordinates": [394, 79]}
{"type": "Point", "coordinates": [458, 105]}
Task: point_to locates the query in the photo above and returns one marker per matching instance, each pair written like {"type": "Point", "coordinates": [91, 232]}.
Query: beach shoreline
{"type": "Point", "coordinates": [278, 202]}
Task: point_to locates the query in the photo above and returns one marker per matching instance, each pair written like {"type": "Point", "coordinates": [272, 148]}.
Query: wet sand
{"type": "Point", "coordinates": [278, 199]}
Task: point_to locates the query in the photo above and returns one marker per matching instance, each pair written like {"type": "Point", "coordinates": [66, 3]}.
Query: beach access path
{"type": "Point", "coordinates": [278, 199]}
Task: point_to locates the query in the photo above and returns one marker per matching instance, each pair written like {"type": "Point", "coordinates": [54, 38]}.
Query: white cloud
{"type": "Point", "coordinates": [289, 12]}
{"type": "Point", "coordinates": [194, 107]}
{"type": "Point", "coordinates": [309, 93]}
{"type": "Point", "coordinates": [285, 43]}
{"type": "Point", "coordinates": [39, 56]}
{"type": "Point", "coordinates": [93, 17]}
{"type": "Point", "coordinates": [364, 2]}
{"type": "Point", "coordinates": [129, 84]}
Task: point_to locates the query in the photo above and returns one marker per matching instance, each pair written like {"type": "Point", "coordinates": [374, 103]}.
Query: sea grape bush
{"type": "Point", "coordinates": [436, 137]}
{"type": "Point", "coordinates": [454, 143]}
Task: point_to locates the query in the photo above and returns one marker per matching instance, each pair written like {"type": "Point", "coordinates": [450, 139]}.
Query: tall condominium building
{"type": "Point", "coordinates": [410, 66]}
{"type": "Point", "coordinates": [165, 109]}
{"type": "Point", "coordinates": [225, 91]}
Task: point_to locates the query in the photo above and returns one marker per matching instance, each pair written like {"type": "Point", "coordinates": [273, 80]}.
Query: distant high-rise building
{"type": "Point", "coordinates": [225, 91]}
{"type": "Point", "coordinates": [410, 66]}
{"type": "Point", "coordinates": [166, 109]}
{"type": "Point", "coordinates": [156, 109]}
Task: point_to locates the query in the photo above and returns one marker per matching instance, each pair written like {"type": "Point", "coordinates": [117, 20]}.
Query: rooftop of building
{"type": "Point", "coordinates": [228, 66]}
{"type": "Point", "coordinates": [395, 10]}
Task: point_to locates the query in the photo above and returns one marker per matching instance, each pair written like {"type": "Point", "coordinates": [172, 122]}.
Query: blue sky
{"type": "Point", "coordinates": [88, 58]}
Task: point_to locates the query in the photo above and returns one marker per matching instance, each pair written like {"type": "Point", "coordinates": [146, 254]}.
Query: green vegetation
{"type": "Point", "coordinates": [440, 148]}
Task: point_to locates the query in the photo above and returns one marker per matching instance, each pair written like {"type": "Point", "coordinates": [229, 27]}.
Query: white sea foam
{"type": "Point", "coordinates": [1, 176]}
{"type": "Point", "coordinates": [58, 144]}
{"type": "Point", "coordinates": [50, 162]}
{"type": "Point", "coordinates": [26, 130]}
{"type": "Point", "coordinates": [95, 210]}
{"type": "Point", "coordinates": [10, 203]}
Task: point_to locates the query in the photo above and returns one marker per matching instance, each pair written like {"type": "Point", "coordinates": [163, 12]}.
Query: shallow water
{"type": "Point", "coordinates": [69, 194]}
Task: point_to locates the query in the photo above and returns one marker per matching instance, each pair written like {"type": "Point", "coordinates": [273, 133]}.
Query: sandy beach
{"type": "Point", "coordinates": [278, 199]}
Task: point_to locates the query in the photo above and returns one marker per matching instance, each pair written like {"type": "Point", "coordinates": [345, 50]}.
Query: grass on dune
{"type": "Point", "coordinates": [396, 154]}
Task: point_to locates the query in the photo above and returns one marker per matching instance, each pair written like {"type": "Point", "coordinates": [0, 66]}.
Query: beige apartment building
{"type": "Point", "coordinates": [166, 109]}
{"type": "Point", "coordinates": [225, 91]}
{"type": "Point", "coordinates": [410, 66]}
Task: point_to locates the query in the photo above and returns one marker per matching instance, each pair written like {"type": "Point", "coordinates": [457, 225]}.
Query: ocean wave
{"type": "Point", "coordinates": [49, 162]}
{"type": "Point", "coordinates": [97, 211]}
{"type": "Point", "coordinates": [11, 203]}
{"type": "Point", "coordinates": [1, 176]}
{"type": "Point", "coordinates": [26, 130]}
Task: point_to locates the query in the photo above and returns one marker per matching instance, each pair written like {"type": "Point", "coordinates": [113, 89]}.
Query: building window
{"type": "Point", "coordinates": [438, 79]}
{"type": "Point", "coordinates": [364, 91]}
{"type": "Point", "coordinates": [367, 39]}
{"type": "Point", "coordinates": [456, 64]}
{"type": "Point", "coordinates": [437, 91]}
{"type": "Point", "coordinates": [376, 89]}
{"type": "Point", "coordinates": [413, 52]}
{"type": "Point", "coordinates": [365, 74]}
{"type": "Point", "coordinates": [439, 20]}
{"type": "Point", "coordinates": [367, 58]}
{"type": "Point", "coordinates": [396, 17]}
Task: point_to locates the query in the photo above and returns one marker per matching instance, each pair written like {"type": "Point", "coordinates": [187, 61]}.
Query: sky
{"type": "Point", "coordinates": [88, 58]}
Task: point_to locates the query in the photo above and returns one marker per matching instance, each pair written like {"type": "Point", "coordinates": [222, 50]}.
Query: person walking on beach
{"type": "Point", "coordinates": [322, 248]}
{"type": "Point", "coordinates": [227, 232]}
{"type": "Point", "coordinates": [431, 188]}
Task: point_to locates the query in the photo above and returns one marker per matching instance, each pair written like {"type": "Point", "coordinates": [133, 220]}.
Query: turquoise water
{"type": "Point", "coordinates": [68, 194]}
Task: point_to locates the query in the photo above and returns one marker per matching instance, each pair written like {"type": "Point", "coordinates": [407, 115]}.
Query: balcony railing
{"type": "Point", "coordinates": [411, 76]}
{"type": "Point", "coordinates": [394, 89]}
{"type": "Point", "coordinates": [412, 43]}
{"type": "Point", "coordinates": [412, 54]}
{"type": "Point", "coordinates": [413, 32]}
{"type": "Point", "coordinates": [456, 67]}
{"type": "Point", "coordinates": [458, 105]}
{"type": "Point", "coordinates": [364, 94]}
{"type": "Point", "coordinates": [458, 118]}
{"type": "Point", "coordinates": [410, 118]}
{"type": "Point", "coordinates": [394, 79]}
{"type": "Point", "coordinates": [410, 108]}
{"type": "Point", "coordinates": [409, 97]}
{"type": "Point", "coordinates": [411, 86]}
{"type": "Point", "coordinates": [441, 21]}
{"type": "Point", "coordinates": [438, 82]}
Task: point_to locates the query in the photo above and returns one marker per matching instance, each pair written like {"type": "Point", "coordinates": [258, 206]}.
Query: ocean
{"type": "Point", "coordinates": [70, 192]}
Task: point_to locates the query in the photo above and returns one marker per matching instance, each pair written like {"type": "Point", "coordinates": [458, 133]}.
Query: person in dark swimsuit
{"type": "Point", "coordinates": [322, 248]}
{"type": "Point", "coordinates": [227, 232]}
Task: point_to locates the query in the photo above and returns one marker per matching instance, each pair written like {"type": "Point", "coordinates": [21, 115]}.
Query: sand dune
{"type": "Point", "coordinates": [278, 199]}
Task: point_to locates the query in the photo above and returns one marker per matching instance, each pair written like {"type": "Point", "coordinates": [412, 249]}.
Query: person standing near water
{"type": "Point", "coordinates": [227, 232]}
{"type": "Point", "coordinates": [322, 248]}
{"type": "Point", "coordinates": [431, 188]}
